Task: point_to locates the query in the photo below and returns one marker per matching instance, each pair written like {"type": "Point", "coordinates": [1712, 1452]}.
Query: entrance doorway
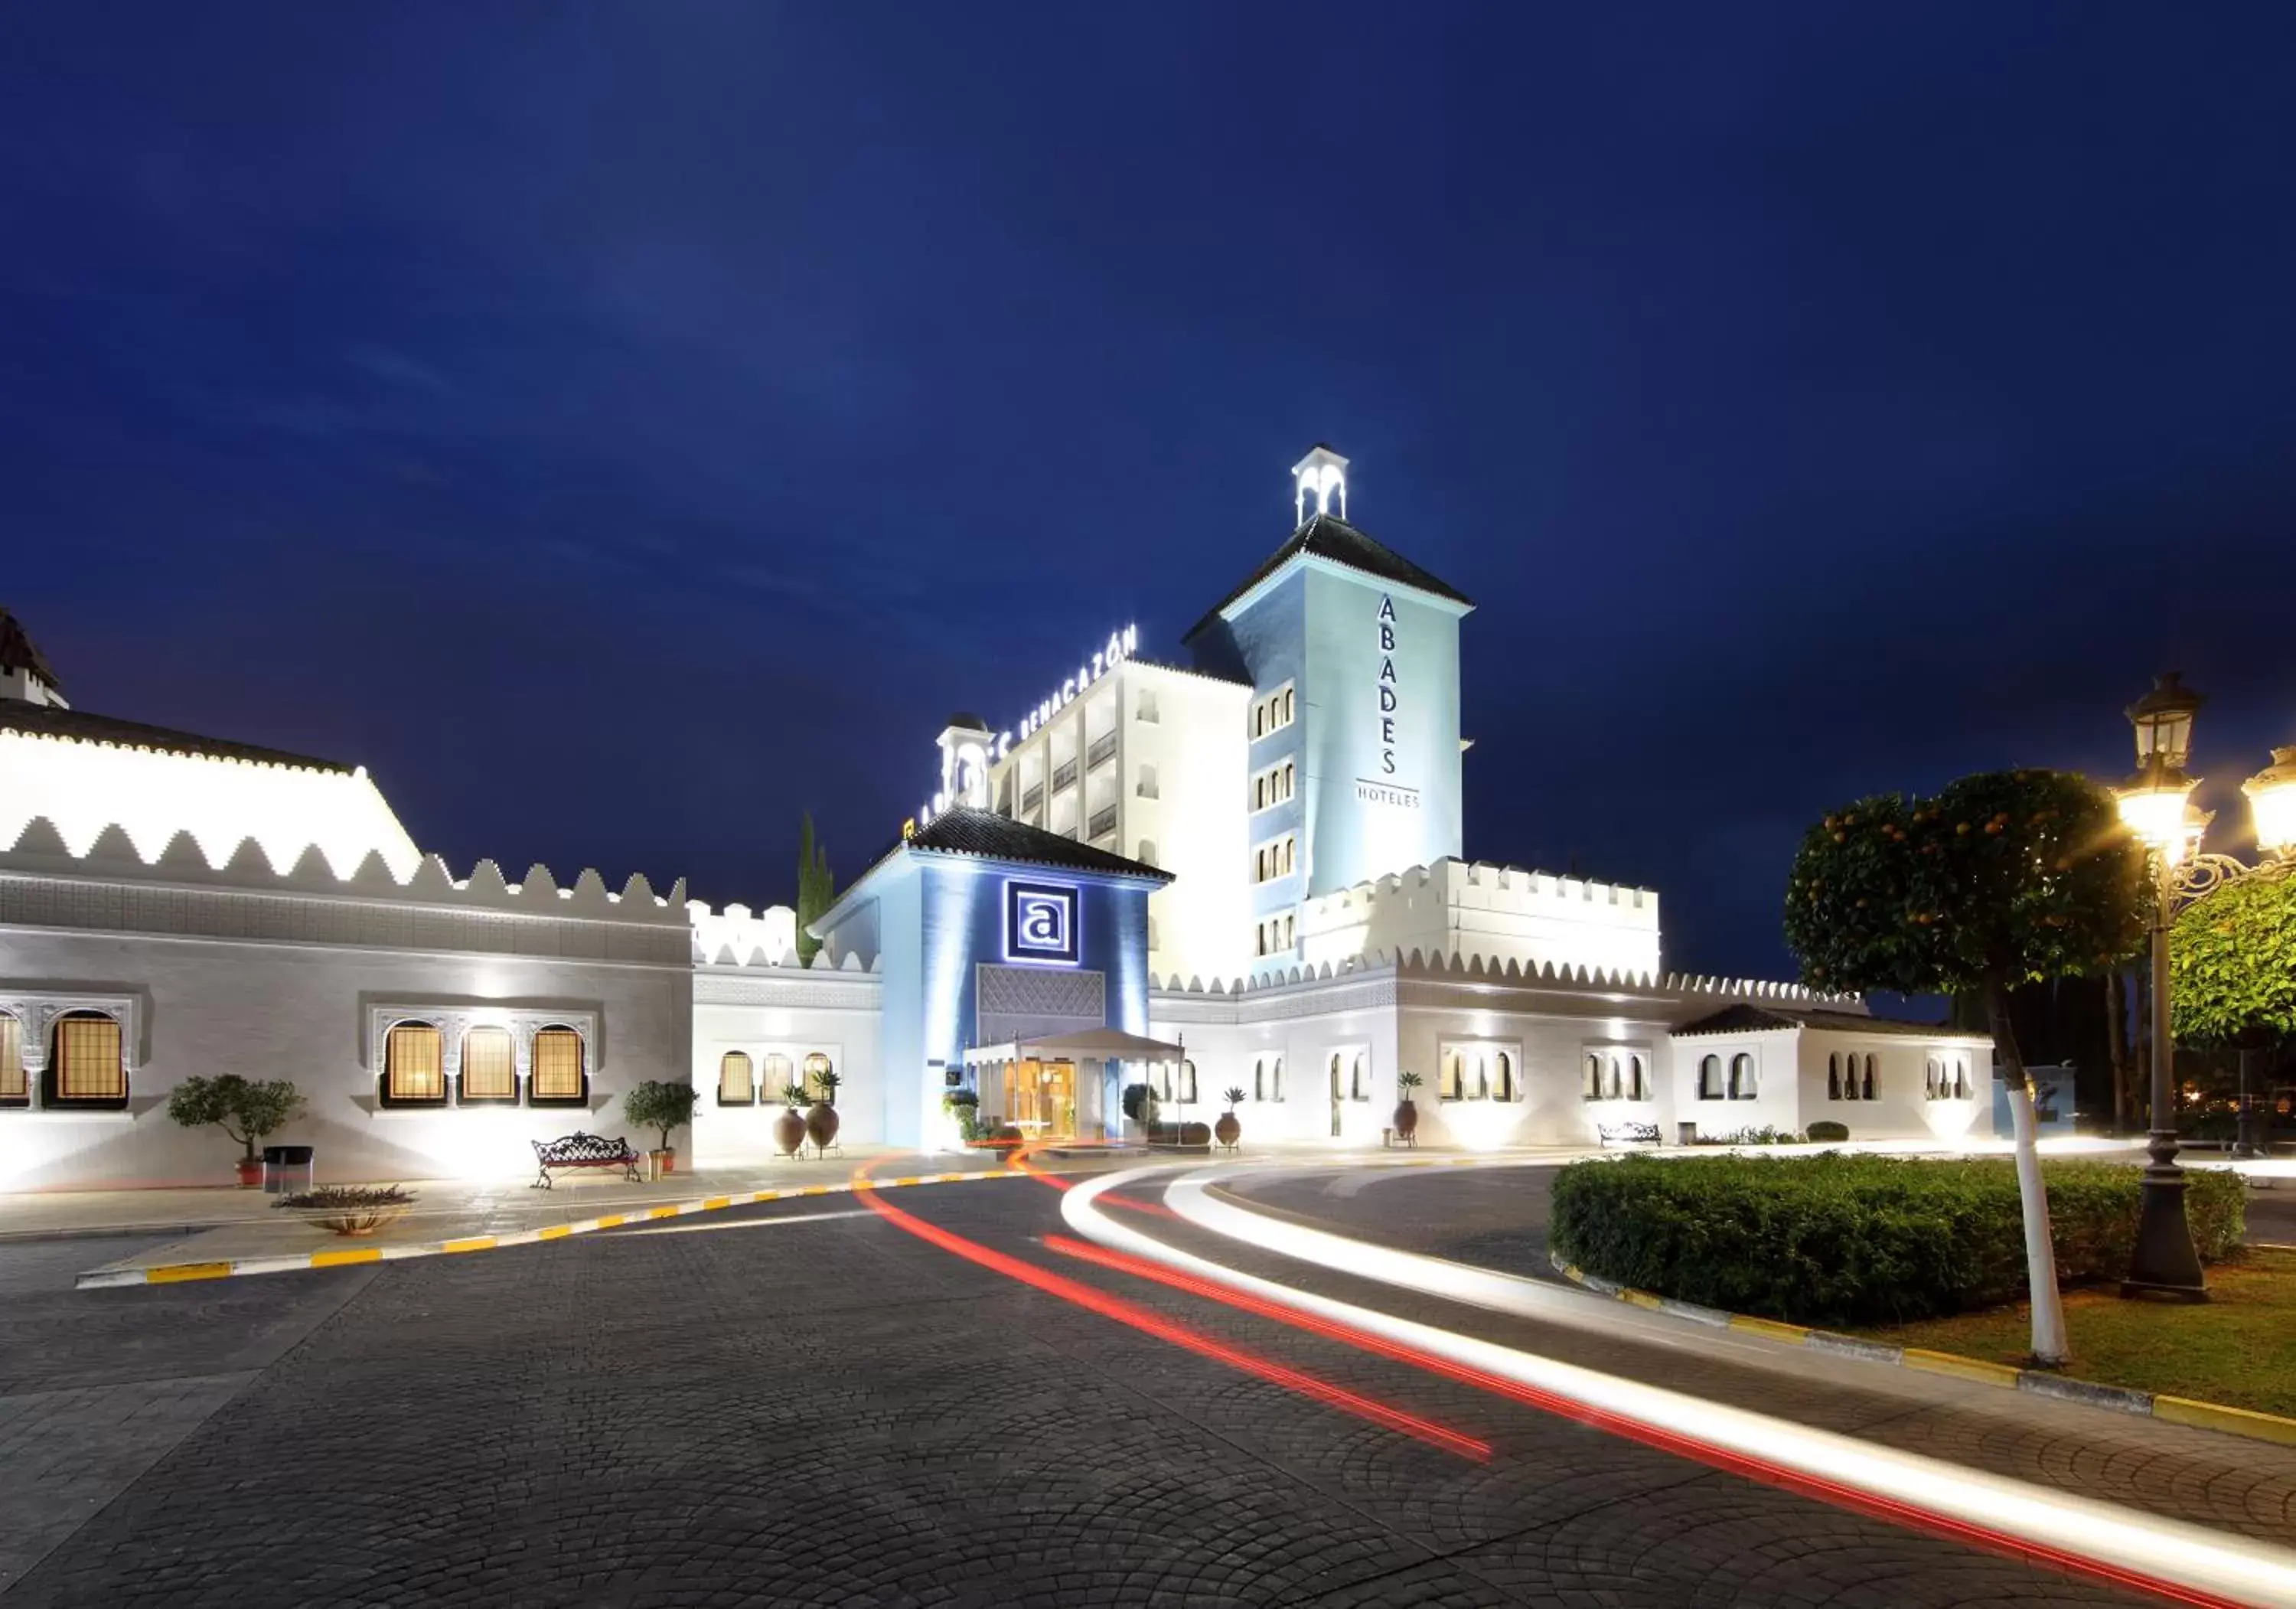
{"type": "Point", "coordinates": [1043, 1099]}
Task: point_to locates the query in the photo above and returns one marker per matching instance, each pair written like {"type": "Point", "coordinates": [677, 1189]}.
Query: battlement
{"type": "Point", "coordinates": [764, 940]}
{"type": "Point", "coordinates": [40, 849]}
{"type": "Point", "coordinates": [1493, 914]}
{"type": "Point", "coordinates": [1439, 965]}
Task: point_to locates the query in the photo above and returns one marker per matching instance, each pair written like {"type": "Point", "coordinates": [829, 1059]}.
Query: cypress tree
{"type": "Point", "coordinates": [816, 888]}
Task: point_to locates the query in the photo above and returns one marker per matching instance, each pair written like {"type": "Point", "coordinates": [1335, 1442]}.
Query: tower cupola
{"type": "Point", "coordinates": [1318, 479]}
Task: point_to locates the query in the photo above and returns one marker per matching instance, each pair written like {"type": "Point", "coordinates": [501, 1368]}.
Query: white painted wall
{"type": "Point", "coordinates": [1490, 912]}
{"type": "Point", "coordinates": [299, 1012]}
{"type": "Point", "coordinates": [794, 1010]}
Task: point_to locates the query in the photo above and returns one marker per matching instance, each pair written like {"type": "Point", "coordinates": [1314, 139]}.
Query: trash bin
{"type": "Point", "coordinates": [287, 1169]}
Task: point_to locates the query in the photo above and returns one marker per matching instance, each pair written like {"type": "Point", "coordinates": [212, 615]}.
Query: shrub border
{"type": "Point", "coordinates": [2040, 1382]}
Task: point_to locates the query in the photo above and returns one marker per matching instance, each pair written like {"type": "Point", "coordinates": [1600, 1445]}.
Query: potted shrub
{"type": "Point", "coordinates": [789, 1129]}
{"type": "Point", "coordinates": [655, 1104]}
{"type": "Point", "coordinates": [1230, 1127]}
{"type": "Point", "coordinates": [246, 1112]}
{"type": "Point", "coordinates": [1407, 1110]}
{"type": "Point", "coordinates": [1140, 1106]}
{"type": "Point", "coordinates": [821, 1121]}
{"type": "Point", "coordinates": [350, 1209]}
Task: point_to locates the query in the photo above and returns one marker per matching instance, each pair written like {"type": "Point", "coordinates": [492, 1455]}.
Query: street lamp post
{"type": "Point", "coordinates": [2156, 803]}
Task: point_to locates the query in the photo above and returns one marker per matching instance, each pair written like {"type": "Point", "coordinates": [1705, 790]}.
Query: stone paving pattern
{"type": "Point", "coordinates": [834, 1412]}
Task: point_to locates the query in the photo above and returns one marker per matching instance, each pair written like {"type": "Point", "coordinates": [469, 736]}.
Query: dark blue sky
{"type": "Point", "coordinates": [622, 426]}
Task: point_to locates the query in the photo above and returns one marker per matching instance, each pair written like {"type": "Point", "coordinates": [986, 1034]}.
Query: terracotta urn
{"type": "Point", "coordinates": [788, 1130]}
{"type": "Point", "coordinates": [1407, 1119]}
{"type": "Point", "coordinates": [1227, 1130]}
{"type": "Point", "coordinates": [251, 1173]}
{"type": "Point", "coordinates": [821, 1126]}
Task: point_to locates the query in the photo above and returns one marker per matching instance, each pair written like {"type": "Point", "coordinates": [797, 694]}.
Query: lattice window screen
{"type": "Point", "coordinates": [557, 1065]}
{"type": "Point", "coordinates": [88, 1066]}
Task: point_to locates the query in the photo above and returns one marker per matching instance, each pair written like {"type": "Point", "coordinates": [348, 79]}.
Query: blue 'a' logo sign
{"type": "Point", "coordinates": [1040, 923]}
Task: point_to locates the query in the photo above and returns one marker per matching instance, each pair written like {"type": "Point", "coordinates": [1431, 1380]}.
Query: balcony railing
{"type": "Point", "coordinates": [1063, 775]}
{"type": "Point", "coordinates": [1104, 821]}
{"type": "Point", "coordinates": [1104, 748]}
{"type": "Point", "coordinates": [1030, 799]}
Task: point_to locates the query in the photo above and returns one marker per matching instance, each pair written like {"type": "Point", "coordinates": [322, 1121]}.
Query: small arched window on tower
{"type": "Point", "coordinates": [1147, 855]}
{"type": "Point", "coordinates": [1741, 1077]}
{"type": "Point", "coordinates": [1289, 694]}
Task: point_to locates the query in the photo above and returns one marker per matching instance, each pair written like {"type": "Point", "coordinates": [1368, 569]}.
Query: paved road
{"type": "Point", "coordinates": [832, 1410]}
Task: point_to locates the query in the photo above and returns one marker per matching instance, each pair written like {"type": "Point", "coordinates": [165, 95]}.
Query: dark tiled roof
{"type": "Point", "coordinates": [1757, 1019]}
{"type": "Point", "coordinates": [1327, 538]}
{"type": "Point", "coordinates": [46, 720]}
{"type": "Point", "coordinates": [18, 652]}
{"type": "Point", "coordinates": [993, 837]}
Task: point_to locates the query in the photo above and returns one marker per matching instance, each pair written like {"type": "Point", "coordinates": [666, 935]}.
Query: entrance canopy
{"type": "Point", "coordinates": [1078, 1044]}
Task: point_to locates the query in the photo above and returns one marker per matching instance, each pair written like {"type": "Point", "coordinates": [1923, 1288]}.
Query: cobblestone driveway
{"type": "Point", "coordinates": [834, 1412]}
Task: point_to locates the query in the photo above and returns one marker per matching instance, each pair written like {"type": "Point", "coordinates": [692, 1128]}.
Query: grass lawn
{"type": "Point", "coordinates": [2236, 1348]}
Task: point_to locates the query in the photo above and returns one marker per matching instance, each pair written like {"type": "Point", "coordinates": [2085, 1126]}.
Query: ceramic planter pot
{"type": "Point", "coordinates": [788, 1130]}
{"type": "Point", "coordinates": [666, 1160]}
{"type": "Point", "coordinates": [821, 1126]}
{"type": "Point", "coordinates": [251, 1173]}
{"type": "Point", "coordinates": [1407, 1119]}
{"type": "Point", "coordinates": [1227, 1130]}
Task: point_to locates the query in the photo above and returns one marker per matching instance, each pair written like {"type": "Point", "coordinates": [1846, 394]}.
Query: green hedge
{"type": "Point", "coordinates": [1846, 1240]}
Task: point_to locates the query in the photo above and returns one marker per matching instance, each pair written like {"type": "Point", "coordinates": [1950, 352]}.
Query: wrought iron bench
{"type": "Point", "coordinates": [1629, 1134]}
{"type": "Point", "coordinates": [585, 1151]}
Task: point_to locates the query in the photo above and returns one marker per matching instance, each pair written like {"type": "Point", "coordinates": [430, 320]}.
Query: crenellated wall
{"type": "Point", "coordinates": [1488, 912]}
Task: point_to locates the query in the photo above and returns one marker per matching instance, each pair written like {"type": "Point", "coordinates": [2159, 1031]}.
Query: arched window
{"type": "Point", "coordinates": [1868, 1090]}
{"type": "Point", "coordinates": [1147, 855]}
{"type": "Point", "coordinates": [1287, 705]}
{"type": "Point", "coordinates": [1187, 1082]}
{"type": "Point", "coordinates": [1930, 1078]}
{"type": "Point", "coordinates": [774, 1087]}
{"type": "Point", "coordinates": [86, 1067]}
{"type": "Point", "coordinates": [1709, 1079]}
{"type": "Point", "coordinates": [1260, 1078]}
{"type": "Point", "coordinates": [1637, 1084]}
{"type": "Point", "coordinates": [15, 1089]}
{"type": "Point", "coordinates": [1503, 1086]}
{"type": "Point", "coordinates": [1359, 1075]}
{"type": "Point", "coordinates": [1446, 1081]}
{"type": "Point", "coordinates": [1590, 1078]}
{"type": "Point", "coordinates": [1741, 1077]}
{"type": "Point", "coordinates": [1611, 1077]}
{"type": "Point", "coordinates": [1279, 1078]}
{"type": "Point", "coordinates": [414, 1065]}
{"type": "Point", "coordinates": [561, 1077]}
{"type": "Point", "coordinates": [734, 1087]}
{"type": "Point", "coordinates": [1833, 1077]}
{"type": "Point", "coordinates": [1960, 1078]}
{"type": "Point", "coordinates": [489, 1067]}
{"type": "Point", "coordinates": [1482, 1090]}
{"type": "Point", "coordinates": [816, 1063]}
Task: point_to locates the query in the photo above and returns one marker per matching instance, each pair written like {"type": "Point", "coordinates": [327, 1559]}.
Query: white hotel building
{"type": "Point", "coordinates": [1245, 872]}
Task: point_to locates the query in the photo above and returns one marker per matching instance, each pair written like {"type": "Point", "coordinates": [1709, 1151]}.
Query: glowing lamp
{"type": "Point", "coordinates": [2272, 797]}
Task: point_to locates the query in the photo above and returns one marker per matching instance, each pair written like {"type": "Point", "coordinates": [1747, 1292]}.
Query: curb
{"type": "Point", "coordinates": [2040, 1383]}
{"type": "Point", "coordinates": [177, 1273]}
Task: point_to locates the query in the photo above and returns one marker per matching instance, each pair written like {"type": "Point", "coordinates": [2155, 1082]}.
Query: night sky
{"type": "Point", "coordinates": [623, 426]}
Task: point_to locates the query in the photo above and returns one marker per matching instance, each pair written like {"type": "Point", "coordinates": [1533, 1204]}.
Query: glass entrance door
{"type": "Point", "coordinates": [1043, 1098]}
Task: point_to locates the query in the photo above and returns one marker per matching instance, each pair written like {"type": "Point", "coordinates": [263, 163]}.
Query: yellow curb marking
{"type": "Point", "coordinates": [611, 1221]}
{"type": "Point", "coordinates": [1641, 1299]}
{"type": "Point", "coordinates": [2238, 1420]}
{"type": "Point", "coordinates": [1961, 1368]}
{"type": "Point", "coordinates": [716, 1201]}
{"type": "Point", "coordinates": [336, 1259]}
{"type": "Point", "coordinates": [476, 1242]}
{"type": "Point", "coordinates": [656, 1212]}
{"type": "Point", "coordinates": [554, 1232]}
{"type": "Point", "coordinates": [187, 1271]}
{"type": "Point", "coordinates": [1795, 1333]}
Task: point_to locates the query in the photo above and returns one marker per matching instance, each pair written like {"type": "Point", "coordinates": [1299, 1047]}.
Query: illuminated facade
{"type": "Point", "coordinates": [1245, 874]}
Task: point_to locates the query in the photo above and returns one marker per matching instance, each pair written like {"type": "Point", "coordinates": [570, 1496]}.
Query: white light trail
{"type": "Point", "coordinates": [2120, 1541]}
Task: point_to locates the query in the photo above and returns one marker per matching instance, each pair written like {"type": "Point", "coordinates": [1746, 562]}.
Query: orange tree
{"type": "Point", "coordinates": [2004, 878]}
